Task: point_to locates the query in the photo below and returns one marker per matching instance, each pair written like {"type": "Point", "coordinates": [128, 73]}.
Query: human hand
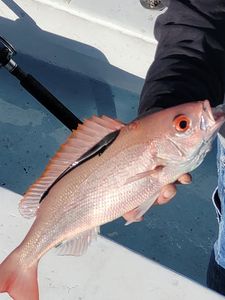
{"type": "Point", "coordinates": [166, 194]}
{"type": "Point", "coordinates": [169, 190]}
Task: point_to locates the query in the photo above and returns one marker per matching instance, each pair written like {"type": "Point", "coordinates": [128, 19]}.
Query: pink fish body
{"type": "Point", "coordinates": [147, 154]}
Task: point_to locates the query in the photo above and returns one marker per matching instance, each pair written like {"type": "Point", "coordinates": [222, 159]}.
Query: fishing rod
{"type": "Point", "coordinates": [49, 101]}
{"type": "Point", "coordinates": [35, 88]}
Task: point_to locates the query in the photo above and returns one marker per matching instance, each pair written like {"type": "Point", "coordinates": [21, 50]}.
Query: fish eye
{"type": "Point", "coordinates": [181, 123]}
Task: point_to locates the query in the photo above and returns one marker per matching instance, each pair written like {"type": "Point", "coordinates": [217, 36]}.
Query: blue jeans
{"type": "Point", "coordinates": [189, 65]}
{"type": "Point", "coordinates": [216, 268]}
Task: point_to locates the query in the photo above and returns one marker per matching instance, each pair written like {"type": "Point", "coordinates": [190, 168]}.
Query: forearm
{"type": "Point", "coordinates": [190, 58]}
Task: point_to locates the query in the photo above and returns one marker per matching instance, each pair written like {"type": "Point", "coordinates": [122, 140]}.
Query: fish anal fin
{"type": "Point", "coordinates": [79, 244]}
{"type": "Point", "coordinates": [80, 141]}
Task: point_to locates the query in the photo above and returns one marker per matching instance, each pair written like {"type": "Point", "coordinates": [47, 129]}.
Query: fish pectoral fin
{"type": "Point", "coordinates": [136, 214]}
{"type": "Point", "coordinates": [79, 142]}
{"type": "Point", "coordinates": [153, 173]}
{"type": "Point", "coordinates": [79, 244]}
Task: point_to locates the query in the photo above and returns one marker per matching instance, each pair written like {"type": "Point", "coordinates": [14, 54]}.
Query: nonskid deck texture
{"type": "Point", "coordinates": [179, 235]}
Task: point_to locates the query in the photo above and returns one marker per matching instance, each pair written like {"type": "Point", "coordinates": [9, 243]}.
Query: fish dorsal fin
{"type": "Point", "coordinates": [80, 141]}
{"type": "Point", "coordinates": [79, 244]}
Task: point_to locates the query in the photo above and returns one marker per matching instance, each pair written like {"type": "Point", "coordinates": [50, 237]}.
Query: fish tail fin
{"type": "Point", "coordinates": [19, 282]}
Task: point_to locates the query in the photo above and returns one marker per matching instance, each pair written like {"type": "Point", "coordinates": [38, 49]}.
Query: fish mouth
{"type": "Point", "coordinates": [212, 118]}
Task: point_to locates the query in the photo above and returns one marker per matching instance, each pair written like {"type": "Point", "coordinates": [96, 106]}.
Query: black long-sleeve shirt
{"type": "Point", "coordinates": [189, 63]}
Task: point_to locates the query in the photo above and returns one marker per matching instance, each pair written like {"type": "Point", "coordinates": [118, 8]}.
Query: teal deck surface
{"type": "Point", "coordinates": [179, 235]}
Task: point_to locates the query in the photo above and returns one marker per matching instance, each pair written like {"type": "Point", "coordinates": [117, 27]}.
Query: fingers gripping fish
{"type": "Point", "coordinates": [80, 191]}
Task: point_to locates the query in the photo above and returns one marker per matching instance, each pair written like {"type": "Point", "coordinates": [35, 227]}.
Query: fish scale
{"type": "Point", "coordinates": [125, 179]}
{"type": "Point", "coordinates": [115, 199]}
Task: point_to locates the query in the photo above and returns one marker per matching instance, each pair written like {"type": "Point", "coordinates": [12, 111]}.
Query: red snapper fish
{"type": "Point", "coordinates": [104, 170]}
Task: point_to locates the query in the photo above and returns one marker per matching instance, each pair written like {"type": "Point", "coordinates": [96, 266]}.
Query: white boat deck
{"type": "Point", "coordinates": [107, 271]}
{"type": "Point", "coordinates": [94, 59]}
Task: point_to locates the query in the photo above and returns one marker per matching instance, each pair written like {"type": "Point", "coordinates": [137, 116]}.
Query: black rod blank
{"type": "Point", "coordinates": [38, 91]}
{"type": "Point", "coordinates": [35, 88]}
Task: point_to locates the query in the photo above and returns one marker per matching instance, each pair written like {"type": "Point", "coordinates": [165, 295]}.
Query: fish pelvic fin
{"type": "Point", "coordinates": [80, 141]}
{"type": "Point", "coordinates": [79, 244]}
{"type": "Point", "coordinates": [136, 215]}
{"type": "Point", "coordinates": [19, 282]}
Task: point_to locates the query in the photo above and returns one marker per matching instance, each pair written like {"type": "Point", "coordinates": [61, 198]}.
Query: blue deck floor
{"type": "Point", "coordinates": [179, 235]}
